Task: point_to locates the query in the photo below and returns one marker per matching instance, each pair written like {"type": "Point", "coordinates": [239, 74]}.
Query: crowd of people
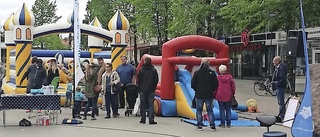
{"type": "Point", "coordinates": [207, 84]}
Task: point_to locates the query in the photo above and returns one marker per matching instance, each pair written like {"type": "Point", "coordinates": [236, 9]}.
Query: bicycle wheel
{"type": "Point", "coordinates": [271, 91]}
{"type": "Point", "coordinates": [259, 88]}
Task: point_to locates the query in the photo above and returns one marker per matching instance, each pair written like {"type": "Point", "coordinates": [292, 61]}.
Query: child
{"type": "Point", "coordinates": [69, 92]}
{"type": "Point", "coordinates": [79, 97]}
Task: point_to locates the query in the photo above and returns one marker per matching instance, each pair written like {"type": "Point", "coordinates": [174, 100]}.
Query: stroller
{"type": "Point", "coordinates": [131, 96]}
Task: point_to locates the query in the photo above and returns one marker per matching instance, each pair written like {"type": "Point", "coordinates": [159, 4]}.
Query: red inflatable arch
{"type": "Point", "coordinates": [169, 59]}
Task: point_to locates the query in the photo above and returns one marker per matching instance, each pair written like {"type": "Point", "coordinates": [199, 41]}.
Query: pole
{"type": "Point", "coordinates": [77, 72]}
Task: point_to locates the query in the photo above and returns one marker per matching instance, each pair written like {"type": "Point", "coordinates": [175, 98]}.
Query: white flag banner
{"type": "Point", "coordinates": [76, 50]}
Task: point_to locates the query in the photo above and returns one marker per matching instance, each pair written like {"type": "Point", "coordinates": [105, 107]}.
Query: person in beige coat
{"type": "Point", "coordinates": [110, 78]}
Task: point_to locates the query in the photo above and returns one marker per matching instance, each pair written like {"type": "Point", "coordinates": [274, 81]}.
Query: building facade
{"type": "Point", "coordinates": [251, 54]}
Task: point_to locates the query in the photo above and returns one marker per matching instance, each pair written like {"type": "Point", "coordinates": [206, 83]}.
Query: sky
{"type": "Point", "coordinates": [64, 8]}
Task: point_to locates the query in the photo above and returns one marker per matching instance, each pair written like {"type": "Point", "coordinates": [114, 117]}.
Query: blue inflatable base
{"type": "Point", "coordinates": [235, 123]}
{"type": "Point", "coordinates": [170, 108]}
{"type": "Point", "coordinates": [241, 108]}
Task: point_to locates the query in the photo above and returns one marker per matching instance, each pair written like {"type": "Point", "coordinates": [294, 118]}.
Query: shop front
{"type": "Point", "coordinates": [247, 61]}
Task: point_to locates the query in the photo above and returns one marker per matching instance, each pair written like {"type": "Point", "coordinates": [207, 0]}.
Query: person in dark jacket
{"type": "Point", "coordinates": [36, 76]}
{"type": "Point", "coordinates": [147, 83]}
{"type": "Point", "coordinates": [279, 80]}
{"type": "Point", "coordinates": [204, 82]}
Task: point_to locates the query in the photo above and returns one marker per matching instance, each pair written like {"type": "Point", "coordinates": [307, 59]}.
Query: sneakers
{"type": "Point", "coordinates": [199, 128]}
{"type": "Point", "coordinates": [93, 118]}
{"type": "Point", "coordinates": [213, 128]}
{"type": "Point", "coordinates": [142, 122]}
{"type": "Point", "coordinates": [152, 123]}
{"type": "Point", "coordinates": [116, 115]}
{"type": "Point", "coordinates": [107, 116]}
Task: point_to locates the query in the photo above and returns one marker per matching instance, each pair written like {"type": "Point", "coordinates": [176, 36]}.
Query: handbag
{"type": "Point", "coordinates": [116, 88]}
{"type": "Point", "coordinates": [97, 88]}
{"type": "Point", "coordinates": [233, 102]}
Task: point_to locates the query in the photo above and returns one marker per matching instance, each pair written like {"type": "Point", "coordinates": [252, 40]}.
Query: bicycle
{"type": "Point", "coordinates": [264, 86]}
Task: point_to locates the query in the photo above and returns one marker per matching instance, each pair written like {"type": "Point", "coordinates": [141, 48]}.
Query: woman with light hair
{"type": "Point", "coordinates": [224, 94]}
{"type": "Point", "coordinates": [53, 71]}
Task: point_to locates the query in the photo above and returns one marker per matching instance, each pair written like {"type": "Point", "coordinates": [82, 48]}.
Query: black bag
{"type": "Point", "coordinates": [24, 123]}
{"type": "Point", "coordinates": [116, 88]}
{"type": "Point", "coordinates": [234, 102]}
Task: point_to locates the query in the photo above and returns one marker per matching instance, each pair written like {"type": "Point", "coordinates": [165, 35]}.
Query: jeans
{"type": "Point", "coordinates": [111, 100]}
{"type": "Point", "coordinates": [68, 99]}
{"type": "Point", "coordinates": [147, 97]}
{"type": "Point", "coordinates": [225, 113]}
{"type": "Point", "coordinates": [209, 108]}
{"type": "Point", "coordinates": [280, 96]}
{"type": "Point", "coordinates": [91, 102]}
{"type": "Point", "coordinates": [77, 106]}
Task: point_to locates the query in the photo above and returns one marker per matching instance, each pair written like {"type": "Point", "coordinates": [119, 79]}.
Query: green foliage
{"type": "Point", "coordinates": [165, 19]}
{"type": "Point", "coordinates": [51, 42]}
{"type": "Point", "coordinates": [45, 13]}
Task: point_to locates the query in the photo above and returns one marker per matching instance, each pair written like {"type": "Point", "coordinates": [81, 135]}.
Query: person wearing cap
{"type": "Point", "coordinates": [204, 82]}
{"type": "Point", "coordinates": [224, 94]}
{"type": "Point", "coordinates": [36, 76]}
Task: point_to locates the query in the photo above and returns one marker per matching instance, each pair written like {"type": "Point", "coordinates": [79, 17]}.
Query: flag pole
{"type": "Point", "coordinates": [77, 71]}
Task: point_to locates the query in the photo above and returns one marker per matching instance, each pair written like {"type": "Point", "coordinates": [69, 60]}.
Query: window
{"type": "Point", "coordinates": [18, 33]}
{"type": "Point", "coordinates": [118, 38]}
{"type": "Point", "coordinates": [127, 38]}
{"type": "Point", "coordinates": [28, 34]}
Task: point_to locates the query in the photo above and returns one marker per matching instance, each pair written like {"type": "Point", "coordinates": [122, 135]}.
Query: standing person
{"type": "Point", "coordinates": [101, 69]}
{"type": "Point", "coordinates": [52, 72]}
{"type": "Point", "coordinates": [36, 76]}
{"type": "Point", "coordinates": [147, 83]}
{"type": "Point", "coordinates": [279, 80]}
{"type": "Point", "coordinates": [69, 92]}
{"type": "Point", "coordinates": [90, 82]}
{"type": "Point", "coordinates": [126, 73]}
{"type": "Point", "coordinates": [204, 82]}
{"type": "Point", "coordinates": [78, 98]}
{"type": "Point", "coordinates": [110, 78]}
{"type": "Point", "coordinates": [224, 94]}
{"type": "Point", "coordinates": [2, 74]}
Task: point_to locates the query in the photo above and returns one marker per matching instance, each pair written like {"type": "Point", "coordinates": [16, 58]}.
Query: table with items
{"type": "Point", "coordinates": [30, 102]}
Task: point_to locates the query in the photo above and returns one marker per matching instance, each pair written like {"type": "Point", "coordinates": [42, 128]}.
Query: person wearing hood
{"type": "Point", "coordinates": [204, 82]}
{"type": "Point", "coordinates": [147, 83]}
{"type": "Point", "coordinates": [224, 94]}
{"type": "Point", "coordinates": [36, 76]}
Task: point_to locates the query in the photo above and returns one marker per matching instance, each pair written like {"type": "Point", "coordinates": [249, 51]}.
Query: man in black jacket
{"type": "Point", "coordinates": [204, 82]}
{"type": "Point", "coordinates": [147, 83]}
{"type": "Point", "coordinates": [36, 75]}
{"type": "Point", "coordinates": [279, 80]}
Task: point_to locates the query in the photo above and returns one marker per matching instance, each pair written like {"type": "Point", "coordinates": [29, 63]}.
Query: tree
{"type": "Point", "coordinates": [256, 15]}
{"type": "Point", "coordinates": [153, 19]}
{"type": "Point", "coordinates": [45, 13]}
{"type": "Point", "coordinates": [53, 42]}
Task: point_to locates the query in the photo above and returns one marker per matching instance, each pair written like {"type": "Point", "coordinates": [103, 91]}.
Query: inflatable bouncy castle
{"type": "Point", "coordinates": [20, 32]}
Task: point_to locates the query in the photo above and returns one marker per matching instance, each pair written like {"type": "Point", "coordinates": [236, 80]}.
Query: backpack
{"type": "Point", "coordinates": [24, 123]}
